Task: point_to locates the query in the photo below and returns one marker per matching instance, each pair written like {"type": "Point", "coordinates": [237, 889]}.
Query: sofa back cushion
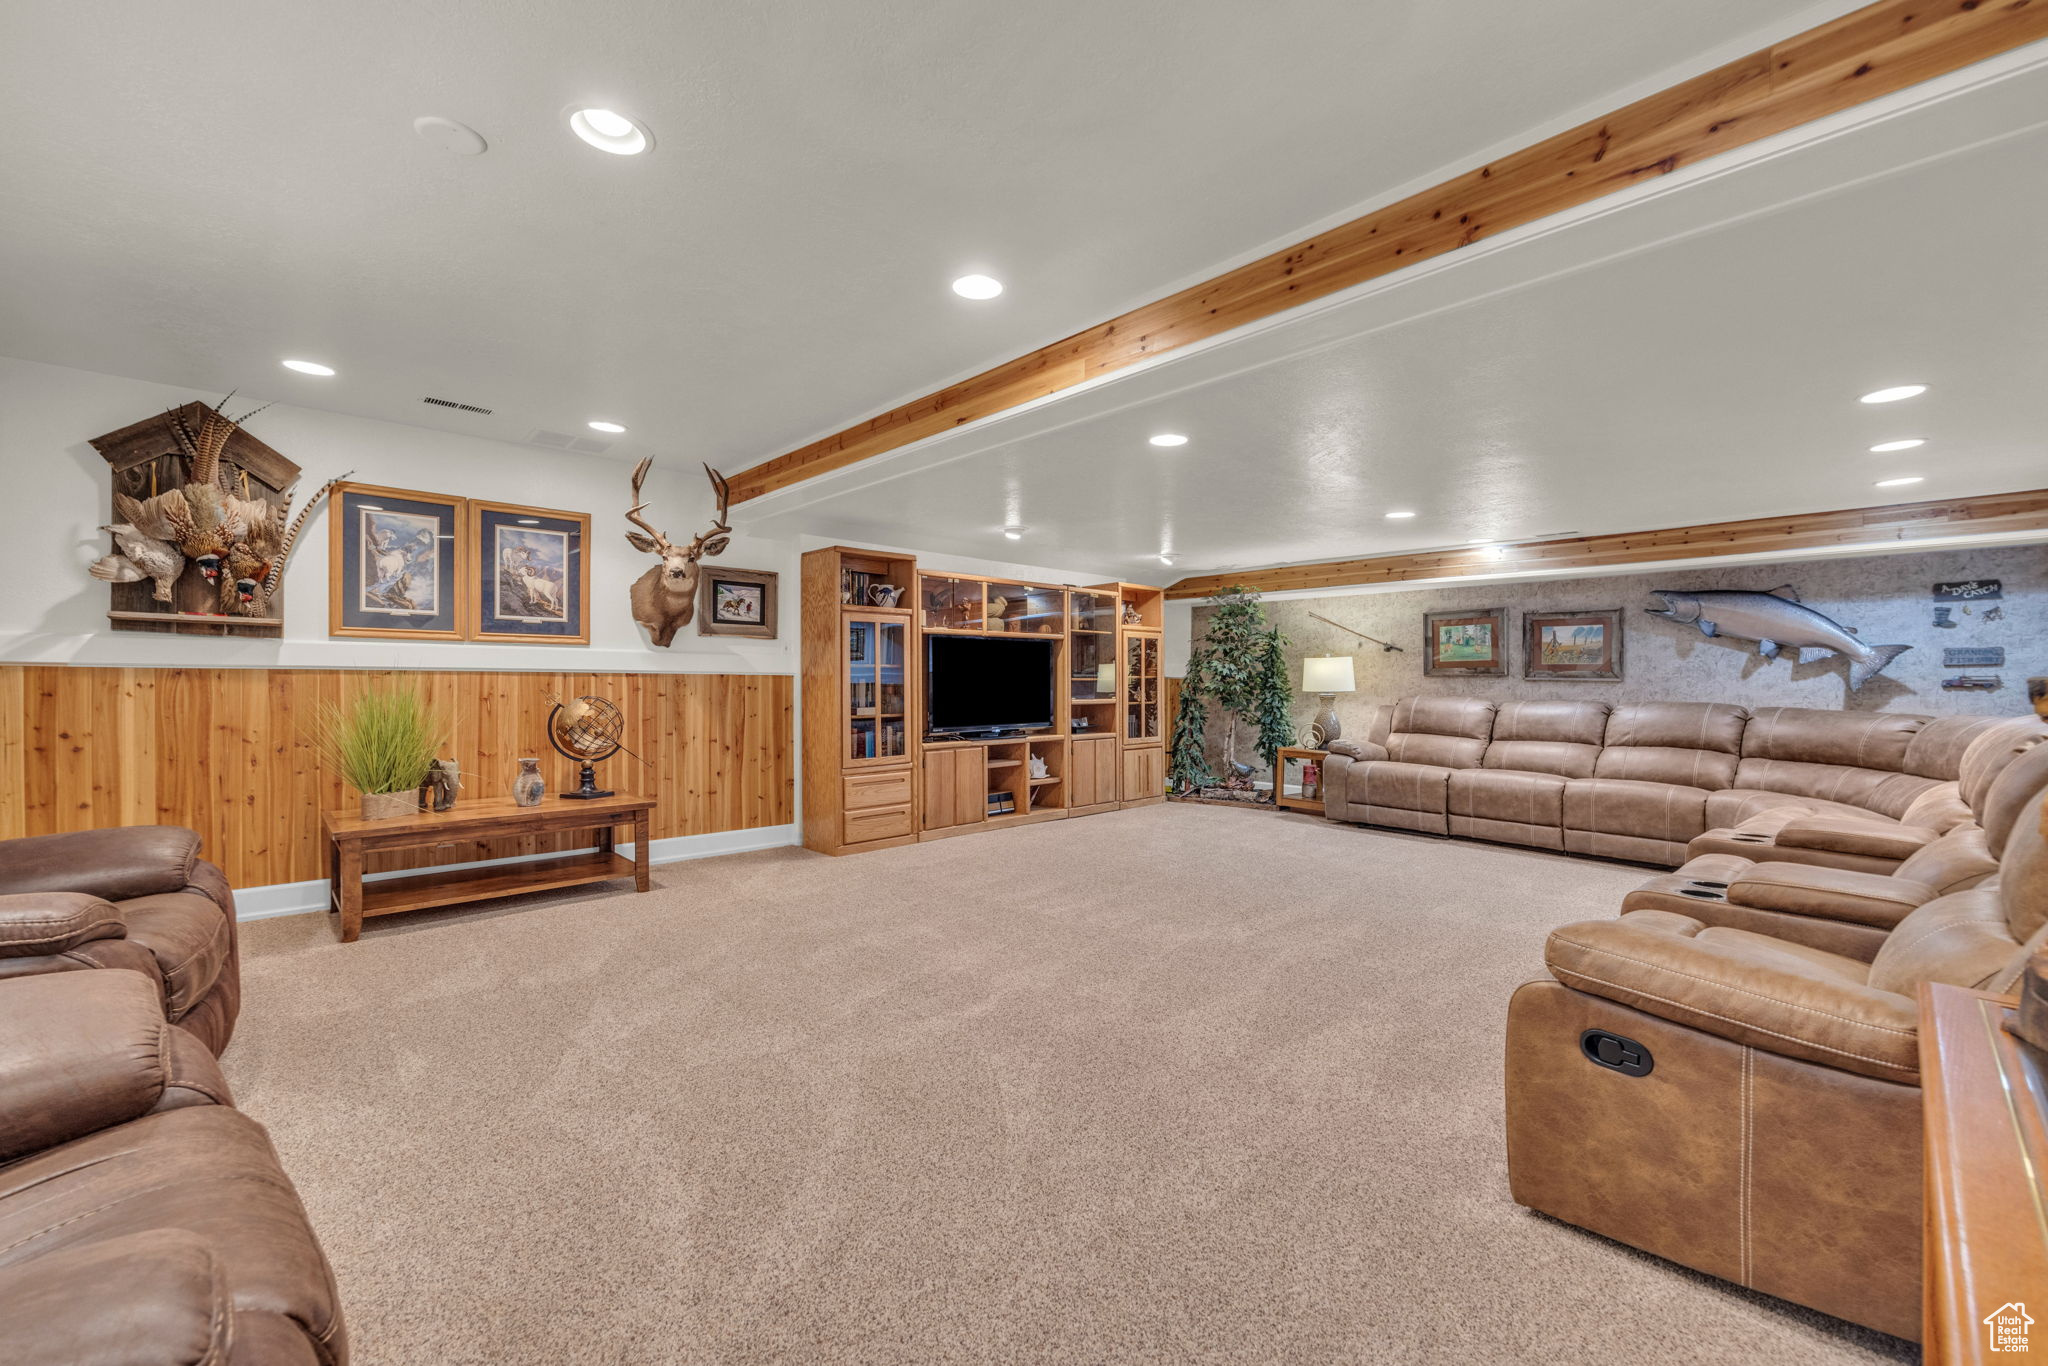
{"type": "Point", "coordinates": [1998, 745]}
{"type": "Point", "coordinates": [1450, 732]}
{"type": "Point", "coordinates": [1954, 862]}
{"type": "Point", "coordinates": [1548, 737]}
{"type": "Point", "coordinates": [1692, 744]}
{"type": "Point", "coordinates": [1961, 939]}
{"type": "Point", "coordinates": [1940, 808]}
{"type": "Point", "coordinates": [1847, 739]}
{"type": "Point", "coordinates": [1937, 750]}
{"type": "Point", "coordinates": [1888, 794]}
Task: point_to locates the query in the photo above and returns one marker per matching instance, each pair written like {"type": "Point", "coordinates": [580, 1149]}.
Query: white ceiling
{"type": "Point", "coordinates": [1691, 354]}
{"type": "Point", "coordinates": [195, 190]}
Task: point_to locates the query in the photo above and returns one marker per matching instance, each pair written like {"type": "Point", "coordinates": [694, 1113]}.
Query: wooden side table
{"type": "Point", "coordinates": [350, 838]}
{"type": "Point", "coordinates": [1986, 1108]}
{"type": "Point", "coordinates": [1299, 801]}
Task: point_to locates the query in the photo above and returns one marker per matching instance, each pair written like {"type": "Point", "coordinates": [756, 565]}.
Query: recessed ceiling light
{"type": "Point", "coordinates": [1895, 393]}
{"type": "Point", "coordinates": [1902, 480]}
{"type": "Point", "coordinates": [612, 427]}
{"type": "Point", "coordinates": [1015, 533]}
{"type": "Point", "coordinates": [1399, 516]}
{"type": "Point", "coordinates": [309, 367]}
{"type": "Point", "coordinates": [1903, 444]}
{"type": "Point", "coordinates": [977, 287]}
{"type": "Point", "coordinates": [1169, 439]}
{"type": "Point", "coordinates": [1166, 559]}
{"type": "Point", "coordinates": [609, 131]}
{"type": "Point", "coordinates": [1482, 542]}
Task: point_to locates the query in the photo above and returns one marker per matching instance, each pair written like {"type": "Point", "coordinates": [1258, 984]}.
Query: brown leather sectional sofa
{"type": "Point", "coordinates": [142, 1217]}
{"type": "Point", "coordinates": [1727, 1075]}
{"type": "Point", "coordinates": [1641, 781]}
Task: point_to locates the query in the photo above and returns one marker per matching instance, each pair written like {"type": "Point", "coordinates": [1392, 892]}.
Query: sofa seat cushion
{"type": "Point", "coordinates": [1750, 988]}
{"type": "Point", "coordinates": [1644, 810]}
{"type": "Point", "coordinates": [1701, 887]}
{"type": "Point", "coordinates": [207, 1170]}
{"type": "Point", "coordinates": [1399, 786]}
{"type": "Point", "coordinates": [1754, 809]}
{"type": "Point", "coordinates": [1500, 794]}
{"type": "Point", "coordinates": [1832, 893]}
{"type": "Point", "coordinates": [1866, 789]}
{"type": "Point", "coordinates": [189, 936]}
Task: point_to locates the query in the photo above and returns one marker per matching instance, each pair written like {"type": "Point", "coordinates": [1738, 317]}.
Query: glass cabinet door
{"type": "Point", "coordinates": [951, 604]}
{"type": "Point", "coordinates": [1093, 612]}
{"type": "Point", "coordinates": [876, 694]}
{"type": "Point", "coordinates": [1141, 688]}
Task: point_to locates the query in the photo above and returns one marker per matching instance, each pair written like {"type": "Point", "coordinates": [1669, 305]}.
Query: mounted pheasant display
{"type": "Point", "coordinates": [665, 597]}
{"type": "Point", "coordinates": [194, 492]}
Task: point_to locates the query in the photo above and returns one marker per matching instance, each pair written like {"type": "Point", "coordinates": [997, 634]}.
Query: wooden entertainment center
{"type": "Point", "coordinates": [872, 777]}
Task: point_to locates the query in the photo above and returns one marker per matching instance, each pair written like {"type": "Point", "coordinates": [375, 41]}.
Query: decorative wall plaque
{"type": "Point", "coordinates": [1969, 590]}
{"type": "Point", "coordinates": [1977, 657]}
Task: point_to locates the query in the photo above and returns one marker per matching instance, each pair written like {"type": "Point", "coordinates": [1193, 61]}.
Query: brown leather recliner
{"type": "Point", "coordinates": [136, 897]}
{"type": "Point", "coordinates": [1748, 1106]}
{"type": "Point", "coordinates": [1400, 775]}
{"type": "Point", "coordinates": [142, 1218]}
{"type": "Point", "coordinates": [1853, 913]}
{"type": "Point", "coordinates": [1804, 753]}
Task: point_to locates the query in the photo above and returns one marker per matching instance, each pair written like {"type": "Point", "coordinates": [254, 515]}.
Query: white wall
{"type": "Point", "coordinates": [56, 497]}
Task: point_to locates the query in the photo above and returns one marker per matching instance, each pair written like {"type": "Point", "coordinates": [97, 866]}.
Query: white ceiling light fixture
{"type": "Point", "coordinates": [1399, 516]}
{"type": "Point", "coordinates": [1901, 481]}
{"type": "Point", "coordinates": [614, 428]}
{"type": "Point", "coordinates": [1165, 559]}
{"type": "Point", "coordinates": [309, 367]}
{"type": "Point", "coordinates": [1014, 533]}
{"type": "Point", "coordinates": [1902, 444]}
{"type": "Point", "coordinates": [1169, 439]}
{"type": "Point", "coordinates": [1483, 541]}
{"type": "Point", "coordinates": [610, 131]}
{"type": "Point", "coordinates": [977, 287]}
{"type": "Point", "coordinates": [1894, 394]}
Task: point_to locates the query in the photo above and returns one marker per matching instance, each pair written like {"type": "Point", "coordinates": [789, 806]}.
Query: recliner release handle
{"type": "Point", "coordinates": [1617, 1053]}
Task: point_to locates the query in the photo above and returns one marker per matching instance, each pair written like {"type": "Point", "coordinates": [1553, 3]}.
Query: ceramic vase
{"type": "Point", "coordinates": [529, 787]}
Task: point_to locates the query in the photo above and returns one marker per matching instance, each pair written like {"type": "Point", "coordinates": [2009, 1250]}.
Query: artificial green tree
{"type": "Point", "coordinates": [1240, 666]}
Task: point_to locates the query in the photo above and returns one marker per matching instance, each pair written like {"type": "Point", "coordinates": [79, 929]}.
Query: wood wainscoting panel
{"type": "Point", "coordinates": [229, 753]}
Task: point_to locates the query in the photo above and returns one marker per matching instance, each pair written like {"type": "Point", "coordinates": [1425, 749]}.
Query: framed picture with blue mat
{"type": "Point", "coordinates": [399, 564]}
{"type": "Point", "coordinates": [530, 574]}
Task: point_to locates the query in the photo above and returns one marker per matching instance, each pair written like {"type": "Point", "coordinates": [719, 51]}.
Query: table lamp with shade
{"type": "Point", "coordinates": [1326, 676]}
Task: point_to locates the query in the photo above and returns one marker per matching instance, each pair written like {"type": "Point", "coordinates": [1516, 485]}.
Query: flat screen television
{"type": "Point", "coordinates": [984, 683]}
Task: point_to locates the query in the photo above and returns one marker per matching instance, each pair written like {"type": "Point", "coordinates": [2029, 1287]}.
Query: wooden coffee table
{"type": "Point", "coordinates": [350, 837]}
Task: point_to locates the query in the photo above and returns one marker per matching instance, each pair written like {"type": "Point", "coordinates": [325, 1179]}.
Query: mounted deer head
{"type": "Point", "coordinates": [665, 597]}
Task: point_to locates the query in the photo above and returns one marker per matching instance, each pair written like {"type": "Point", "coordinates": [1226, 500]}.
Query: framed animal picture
{"type": "Point", "coordinates": [531, 579]}
{"type": "Point", "coordinates": [1572, 645]}
{"type": "Point", "coordinates": [737, 602]}
{"type": "Point", "coordinates": [399, 564]}
{"type": "Point", "coordinates": [1469, 644]}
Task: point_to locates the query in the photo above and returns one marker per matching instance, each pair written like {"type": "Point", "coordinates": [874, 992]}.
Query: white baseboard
{"type": "Point", "coordinates": [301, 898]}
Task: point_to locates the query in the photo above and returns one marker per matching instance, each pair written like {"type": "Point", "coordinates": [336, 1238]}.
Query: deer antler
{"type": "Point", "coordinates": [659, 542]}
{"type": "Point", "coordinates": [718, 526]}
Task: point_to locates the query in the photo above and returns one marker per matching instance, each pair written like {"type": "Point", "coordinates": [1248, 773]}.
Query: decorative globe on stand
{"type": "Point", "coordinates": [587, 730]}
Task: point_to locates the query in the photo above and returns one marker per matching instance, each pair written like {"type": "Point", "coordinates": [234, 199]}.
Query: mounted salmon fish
{"type": "Point", "coordinates": [1778, 622]}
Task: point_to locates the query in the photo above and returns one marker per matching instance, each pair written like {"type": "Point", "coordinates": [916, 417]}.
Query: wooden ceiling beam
{"type": "Point", "coordinates": [1874, 51]}
{"type": "Point", "coordinates": [1899, 522]}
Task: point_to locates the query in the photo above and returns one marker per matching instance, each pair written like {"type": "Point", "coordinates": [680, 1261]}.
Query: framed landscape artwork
{"type": "Point", "coordinates": [530, 574]}
{"type": "Point", "coordinates": [1572, 645]}
{"type": "Point", "coordinates": [398, 564]}
{"type": "Point", "coordinates": [736, 602]}
{"type": "Point", "coordinates": [1471, 644]}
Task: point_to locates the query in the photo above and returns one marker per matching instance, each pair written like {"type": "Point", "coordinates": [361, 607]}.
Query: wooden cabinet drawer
{"type": "Point", "coordinates": [878, 789]}
{"type": "Point", "coordinates": [878, 824]}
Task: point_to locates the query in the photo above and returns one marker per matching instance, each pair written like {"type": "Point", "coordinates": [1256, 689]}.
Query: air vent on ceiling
{"type": "Point", "coordinates": [459, 407]}
{"type": "Point", "coordinates": [562, 441]}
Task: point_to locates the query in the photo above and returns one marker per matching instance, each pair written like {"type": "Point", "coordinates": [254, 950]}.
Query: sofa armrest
{"type": "Point", "coordinates": [116, 865]}
{"type": "Point", "coordinates": [52, 922]}
{"type": "Point", "coordinates": [158, 1296]}
{"type": "Point", "coordinates": [1356, 749]}
{"type": "Point", "coordinates": [1844, 835]}
{"type": "Point", "coordinates": [84, 1051]}
{"type": "Point", "coordinates": [1832, 893]}
{"type": "Point", "coordinates": [1744, 988]}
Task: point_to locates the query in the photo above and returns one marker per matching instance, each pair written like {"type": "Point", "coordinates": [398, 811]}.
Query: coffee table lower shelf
{"type": "Point", "coordinates": [419, 891]}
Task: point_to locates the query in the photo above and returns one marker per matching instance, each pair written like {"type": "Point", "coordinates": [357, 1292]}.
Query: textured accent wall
{"type": "Point", "coordinates": [1887, 598]}
{"type": "Point", "coordinates": [228, 753]}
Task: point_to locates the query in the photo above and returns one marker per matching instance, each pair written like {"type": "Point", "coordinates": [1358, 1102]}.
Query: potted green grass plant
{"type": "Point", "coordinates": [382, 744]}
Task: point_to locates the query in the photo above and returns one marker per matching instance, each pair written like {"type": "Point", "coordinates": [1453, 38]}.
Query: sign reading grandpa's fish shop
{"type": "Point", "coordinates": [1969, 590]}
{"type": "Point", "coordinates": [1974, 657]}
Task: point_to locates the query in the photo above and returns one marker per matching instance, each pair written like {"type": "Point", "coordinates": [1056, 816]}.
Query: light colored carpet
{"type": "Point", "coordinates": [1180, 1084]}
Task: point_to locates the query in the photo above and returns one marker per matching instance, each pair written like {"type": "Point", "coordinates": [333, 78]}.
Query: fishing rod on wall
{"type": "Point", "coordinates": [1384, 645]}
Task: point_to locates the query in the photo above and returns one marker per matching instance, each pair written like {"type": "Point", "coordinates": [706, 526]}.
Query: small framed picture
{"type": "Point", "coordinates": [1583, 645]}
{"type": "Point", "coordinates": [736, 602]}
{"type": "Point", "coordinates": [398, 564]}
{"type": "Point", "coordinates": [530, 575]}
{"type": "Point", "coordinates": [1473, 644]}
